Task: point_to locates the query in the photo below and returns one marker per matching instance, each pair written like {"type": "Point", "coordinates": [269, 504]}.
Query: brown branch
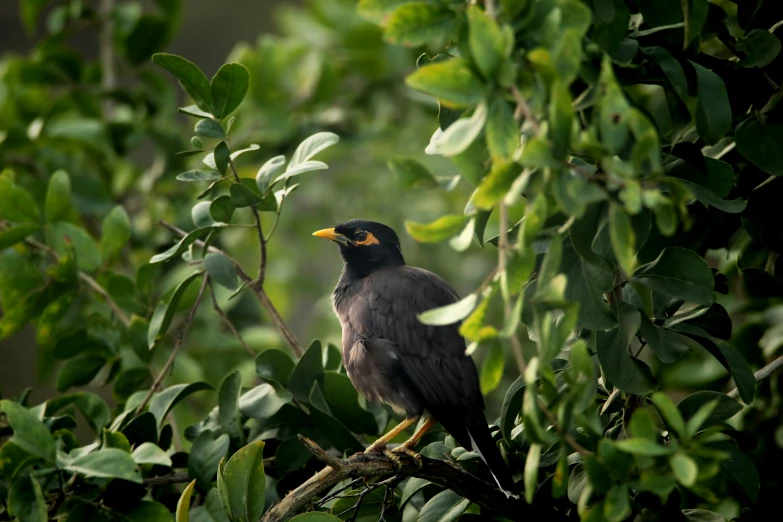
{"type": "Point", "coordinates": [180, 340]}
{"type": "Point", "coordinates": [762, 374]}
{"type": "Point", "coordinates": [380, 467]}
{"type": "Point", "coordinates": [228, 322]}
{"type": "Point", "coordinates": [523, 109]}
{"type": "Point", "coordinates": [183, 478]}
{"type": "Point", "coordinates": [87, 280]}
{"type": "Point", "coordinates": [257, 289]}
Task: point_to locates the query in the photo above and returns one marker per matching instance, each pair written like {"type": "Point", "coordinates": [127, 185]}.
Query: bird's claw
{"type": "Point", "coordinates": [376, 448]}
{"type": "Point", "coordinates": [395, 458]}
{"type": "Point", "coordinates": [412, 454]}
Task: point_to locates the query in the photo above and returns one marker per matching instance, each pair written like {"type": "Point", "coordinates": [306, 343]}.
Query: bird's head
{"type": "Point", "coordinates": [365, 246]}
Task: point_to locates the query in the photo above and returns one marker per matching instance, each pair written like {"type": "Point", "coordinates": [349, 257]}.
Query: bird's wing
{"type": "Point", "coordinates": [433, 357]}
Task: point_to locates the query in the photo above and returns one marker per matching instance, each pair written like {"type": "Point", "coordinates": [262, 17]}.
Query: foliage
{"type": "Point", "coordinates": [617, 162]}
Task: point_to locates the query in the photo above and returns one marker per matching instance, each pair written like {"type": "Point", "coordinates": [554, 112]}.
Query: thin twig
{"type": "Point", "coordinates": [516, 346]}
{"type": "Point", "coordinates": [259, 230]}
{"type": "Point", "coordinates": [180, 340]}
{"type": "Point", "coordinates": [228, 322]}
{"type": "Point", "coordinates": [490, 9]}
{"type": "Point", "coordinates": [87, 280]}
{"type": "Point", "coordinates": [762, 374]}
{"type": "Point", "coordinates": [106, 50]}
{"type": "Point", "coordinates": [523, 109]}
{"type": "Point", "coordinates": [257, 289]}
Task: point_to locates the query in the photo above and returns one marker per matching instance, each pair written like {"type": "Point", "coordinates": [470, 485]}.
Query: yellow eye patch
{"type": "Point", "coordinates": [368, 240]}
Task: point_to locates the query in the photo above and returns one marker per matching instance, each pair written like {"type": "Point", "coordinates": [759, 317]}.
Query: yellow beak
{"type": "Point", "coordinates": [330, 233]}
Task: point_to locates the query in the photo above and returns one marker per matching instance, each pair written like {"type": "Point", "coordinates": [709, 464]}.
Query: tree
{"type": "Point", "coordinates": [626, 153]}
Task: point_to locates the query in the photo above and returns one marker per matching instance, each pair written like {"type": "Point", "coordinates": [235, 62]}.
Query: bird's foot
{"type": "Point", "coordinates": [376, 448]}
{"type": "Point", "coordinates": [412, 454]}
{"type": "Point", "coordinates": [395, 458]}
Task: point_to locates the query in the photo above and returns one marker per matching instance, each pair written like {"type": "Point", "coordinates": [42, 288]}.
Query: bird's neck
{"type": "Point", "coordinates": [356, 271]}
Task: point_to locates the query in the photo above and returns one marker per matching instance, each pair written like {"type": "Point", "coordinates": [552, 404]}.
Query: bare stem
{"type": "Point", "coordinates": [257, 289]}
{"type": "Point", "coordinates": [87, 280]}
{"type": "Point", "coordinates": [259, 230]}
{"type": "Point", "coordinates": [228, 322]}
{"type": "Point", "coordinates": [762, 374]}
{"type": "Point", "coordinates": [180, 340]}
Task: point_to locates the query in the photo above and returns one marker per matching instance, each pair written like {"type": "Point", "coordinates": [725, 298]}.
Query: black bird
{"type": "Point", "coordinates": [392, 357]}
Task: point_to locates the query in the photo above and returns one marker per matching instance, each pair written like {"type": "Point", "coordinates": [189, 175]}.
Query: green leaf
{"type": "Point", "coordinates": [724, 409]}
{"type": "Point", "coordinates": [760, 46]}
{"type": "Point", "coordinates": [588, 282]}
{"type": "Point", "coordinates": [695, 15]}
{"type": "Point", "coordinates": [679, 273]}
{"type": "Point", "coordinates": [115, 232]}
{"type": "Point", "coordinates": [669, 412]}
{"type": "Point", "coordinates": [221, 269]}
{"type": "Point", "coordinates": [617, 505]}
{"type": "Point", "coordinates": [312, 146]}
{"type": "Point", "coordinates": [183, 504]}
{"type": "Point", "coordinates": [61, 234]}
{"type": "Point", "coordinates": [221, 209]}
{"type": "Point", "coordinates": [267, 171]}
{"type": "Point", "coordinates": [198, 175]}
{"type": "Point", "coordinates": [229, 87]}
{"type": "Point", "coordinates": [627, 373]}
{"type": "Point", "coordinates": [492, 368]}
{"type": "Point", "coordinates": [181, 245]}
{"type": "Point", "coordinates": [411, 175]}
{"type": "Point", "coordinates": [264, 400]}
{"type": "Point", "coordinates": [502, 130]}
{"type": "Point", "coordinates": [667, 345]}
{"type": "Point", "coordinates": [741, 470]}
{"type": "Point", "coordinates": [315, 516]}
{"type": "Point", "coordinates": [200, 214]}
{"type": "Point", "coordinates": [58, 196]}
{"type": "Point", "coordinates": [164, 312]}
{"type": "Point", "coordinates": [205, 455]}
{"type": "Point", "coordinates": [417, 23]}
{"type": "Point", "coordinates": [246, 193]}
{"type": "Point", "coordinates": [439, 230]}
{"type": "Point", "coordinates": [26, 502]}
{"type": "Point", "coordinates": [228, 404]}
{"type": "Point", "coordinates": [446, 506]}
{"type": "Point", "coordinates": [460, 134]}
{"type": "Point", "coordinates": [451, 313]}
{"type": "Point", "coordinates": [308, 369]}
{"type": "Point", "coordinates": [486, 41]}
{"type": "Point", "coordinates": [92, 407]}
{"type": "Point", "coordinates": [307, 166]}
{"type": "Point", "coordinates": [106, 463]}
{"type": "Point", "coordinates": [243, 476]}
{"type": "Point", "coordinates": [162, 402]}
{"type": "Point", "coordinates": [671, 68]}
{"type": "Point", "coordinates": [450, 81]}
{"type": "Point", "coordinates": [684, 468]}
{"type": "Point", "coordinates": [623, 238]}
{"type": "Point", "coordinates": [496, 184]}
{"type": "Point", "coordinates": [80, 370]}
{"type": "Point", "coordinates": [713, 111]}
{"type": "Point", "coordinates": [208, 128]}
{"type": "Point", "coordinates": [16, 204]}
{"type": "Point", "coordinates": [531, 471]}
{"type": "Point", "coordinates": [149, 453]}
{"type": "Point", "coordinates": [221, 157]}
{"type": "Point", "coordinates": [538, 154]}
{"type": "Point", "coordinates": [343, 401]}
{"type": "Point", "coordinates": [17, 234]}
{"type": "Point", "coordinates": [30, 433]}
{"type": "Point", "coordinates": [275, 365]}
{"type": "Point", "coordinates": [190, 77]}
{"type": "Point", "coordinates": [761, 144]}
{"type": "Point", "coordinates": [561, 119]}
{"type": "Point", "coordinates": [643, 447]}
{"type": "Point", "coordinates": [702, 515]}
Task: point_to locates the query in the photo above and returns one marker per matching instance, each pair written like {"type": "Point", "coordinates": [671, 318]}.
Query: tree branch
{"type": "Point", "coordinates": [228, 322]}
{"type": "Point", "coordinates": [259, 231]}
{"type": "Point", "coordinates": [381, 467]}
{"type": "Point", "coordinates": [257, 289]}
{"type": "Point", "coordinates": [180, 340]}
{"type": "Point", "coordinates": [87, 280]}
{"type": "Point", "coordinates": [762, 374]}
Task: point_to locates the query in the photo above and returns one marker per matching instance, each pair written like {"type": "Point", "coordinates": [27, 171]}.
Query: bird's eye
{"type": "Point", "coordinates": [360, 236]}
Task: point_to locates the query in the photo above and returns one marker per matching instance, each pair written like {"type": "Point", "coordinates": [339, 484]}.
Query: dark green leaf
{"type": "Point", "coordinates": [190, 77]}
{"type": "Point", "coordinates": [106, 463]}
{"type": "Point", "coordinates": [301, 168]}
{"type": "Point", "coordinates": [116, 232]}
{"type": "Point", "coordinates": [164, 312]}
{"type": "Point", "coordinates": [264, 400]}
{"type": "Point", "coordinates": [221, 209]}
{"type": "Point", "coordinates": [669, 412]}
{"type": "Point", "coordinates": [308, 369]}
{"type": "Point", "coordinates": [275, 365]}
{"type": "Point", "coordinates": [229, 87]}
{"type": "Point", "coordinates": [512, 405]}
{"type": "Point", "coordinates": [725, 409]}
{"type": "Point", "coordinates": [702, 515]}
{"type": "Point", "coordinates": [149, 453]}
{"type": "Point", "coordinates": [446, 506]}
{"type": "Point", "coordinates": [621, 369]}
{"type": "Point", "coordinates": [268, 171]}
{"type": "Point", "coordinates": [492, 367]}
{"type": "Point", "coordinates": [291, 455]}
{"type": "Point", "coordinates": [162, 402]}
{"type": "Point", "coordinates": [496, 184]}
{"type": "Point", "coordinates": [30, 433]}
{"type": "Point", "coordinates": [660, 12]}
{"type": "Point", "coordinates": [58, 196]}
{"type": "Point", "coordinates": [228, 405]}
{"type": "Point", "coordinates": [181, 245]}
{"type": "Point", "coordinates": [80, 370]}
{"type": "Point", "coordinates": [243, 476]}
{"type": "Point", "coordinates": [679, 273]}
{"type": "Point", "coordinates": [17, 234]}
{"type": "Point", "coordinates": [667, 345]}
{"type": "Point", "coordinates": [713, 111]}
{"type": "Point", "coordinates": [208, 128]}
{"type": "Point", "coordinates": [695, 15]}
{"type": "Point", "coordinates": [761, 144]}
{"type": "Point", "coordinates": [417, 23]}
{"type": "Point", "coordinates": [62, 234]}
{"type": "Point", "coordinates": [311, 146]}
{"type": "Point", "coordinates": [486, 40]}
{"type": "Point", "coordinates": [221, 156]}
{"type": "Point", "coordinates": [221, 269]}
{"type": "Point", "coordinates": [741, 470]}
{"type": "Point", "coordinates": [16, 204]}
{"type": "Point", "coordinates": [198, 175]}
{"type": "Point", "coordinates": [623, 238]}
{"type": "Point", "coordinates": [617, 505]}
{"type": "Point", "coordinates": [315, 516]}
{"type": "Point", "coordinates": [644, 447]}
{"type": "Point", "coordinates": [343, 401]}
{"type": "Point", "coordinates": [205, 455]}
{"type": "Point", "coordinates": [561, 119]}
{"type": "Point", "coordinates": [26, 501]}
{"type": "Point", "coordinates": [671, 68]}
{"type": "Point", "coordinates": [502, 130]}
{"type": "Point", "coordinates": [411, 174]}
{"type": "Point", "coordinates": [760, 46]}
{"type": "Point", "coordinates": [450, 81]}
{"type": "Point", "coordinates": [685, 469]}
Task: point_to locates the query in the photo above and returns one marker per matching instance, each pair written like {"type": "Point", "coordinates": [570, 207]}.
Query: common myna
{"type": "Point", "coordinates": [392, 357]}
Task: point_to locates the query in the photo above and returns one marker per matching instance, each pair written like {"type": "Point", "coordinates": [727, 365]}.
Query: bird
{"type": "Point", "coordinates": [392, 357]}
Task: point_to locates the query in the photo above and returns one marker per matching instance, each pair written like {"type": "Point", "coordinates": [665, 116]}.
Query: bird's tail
{"type": "Point", "coordinates": [482, 443]}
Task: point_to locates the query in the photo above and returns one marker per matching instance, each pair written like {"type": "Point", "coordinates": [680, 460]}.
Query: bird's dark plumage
{"type": "Point", "coordinates": [390, 355]}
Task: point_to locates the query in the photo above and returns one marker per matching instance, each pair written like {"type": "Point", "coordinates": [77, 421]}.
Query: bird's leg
{"type": "Point", "coordinates": [407, 446]}
{"type": "Point", "coordinates": [379, 445]}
